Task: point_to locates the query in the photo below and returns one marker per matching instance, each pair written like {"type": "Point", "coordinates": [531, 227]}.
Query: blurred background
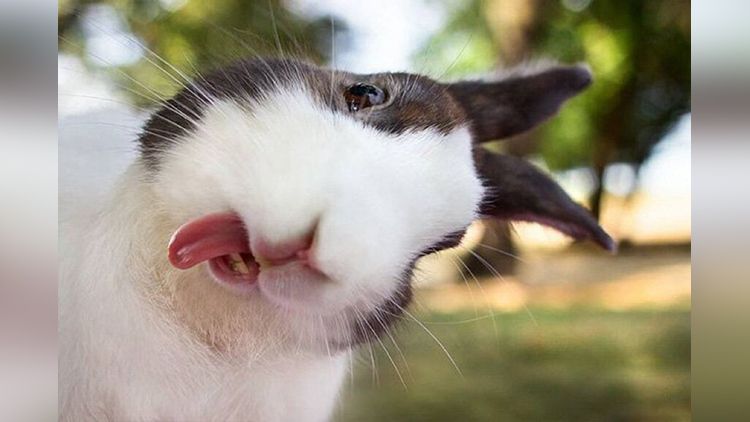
{"type": "Point", "coordinates": [518, 323]}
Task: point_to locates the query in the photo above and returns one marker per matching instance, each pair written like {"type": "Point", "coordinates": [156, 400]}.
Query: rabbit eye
{"type": "Point", "coordinates": [360, 96]}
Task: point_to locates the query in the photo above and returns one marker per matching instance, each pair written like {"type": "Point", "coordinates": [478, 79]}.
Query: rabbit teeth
{"type": "Point", "coordinates": [238, 264]}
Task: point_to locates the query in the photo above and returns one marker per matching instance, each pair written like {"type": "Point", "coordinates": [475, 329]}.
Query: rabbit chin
{"type": "Point", "coordinates": [297, 287]}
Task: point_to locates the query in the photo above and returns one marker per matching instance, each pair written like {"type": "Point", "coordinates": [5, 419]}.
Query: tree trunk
{"type": "Point", "coordinates": [602, 156]}
{"type": "Point", "coordinates": [513, 22]}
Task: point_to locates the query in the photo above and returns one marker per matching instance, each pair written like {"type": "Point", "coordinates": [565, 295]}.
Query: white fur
{"type": "Point", "coordinates": [143, 341]}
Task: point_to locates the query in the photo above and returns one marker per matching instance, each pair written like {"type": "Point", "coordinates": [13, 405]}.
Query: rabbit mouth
{"type": "Point", "coordinates": [223, 241]}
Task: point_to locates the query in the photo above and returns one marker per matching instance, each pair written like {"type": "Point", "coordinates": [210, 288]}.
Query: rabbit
{"type": "Point", "coordinates": [270, 223]}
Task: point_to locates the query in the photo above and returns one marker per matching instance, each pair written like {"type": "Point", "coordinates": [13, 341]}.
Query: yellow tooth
{"type": "Point", "coordinates": [238, 264]}
{"type": "Point", "coordinates": [262, 262]}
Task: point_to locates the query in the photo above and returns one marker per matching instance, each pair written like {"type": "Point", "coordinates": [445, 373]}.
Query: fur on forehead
{"type": "Point", "coordinates": [414, 102]}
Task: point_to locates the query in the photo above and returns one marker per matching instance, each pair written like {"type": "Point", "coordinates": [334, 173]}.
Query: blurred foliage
{"type": "Point", "coordinates": [575, 365]}
{"type": "Point", "coordinates": [192, 36]}
{"type": "Point", "coordinates": [464, 45]}
{"type": "Point", "coordinates": [640, 54]}
{"type": "Point", "coordinates": [638, 50]}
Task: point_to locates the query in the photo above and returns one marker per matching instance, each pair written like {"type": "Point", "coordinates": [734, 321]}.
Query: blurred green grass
{"type": "Point", "coordinates": [573, 365]}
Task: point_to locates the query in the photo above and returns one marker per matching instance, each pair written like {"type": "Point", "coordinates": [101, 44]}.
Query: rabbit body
{"type": "Point", "coordinates": [271, 223]}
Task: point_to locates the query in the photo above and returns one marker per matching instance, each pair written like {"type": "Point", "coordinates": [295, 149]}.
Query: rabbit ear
{"type": "Point", "coordinates": [518, 102]}
{"type": "Point", "coordinates": [516, 190]}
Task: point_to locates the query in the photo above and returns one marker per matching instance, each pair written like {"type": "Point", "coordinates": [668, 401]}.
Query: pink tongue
{"type": "Point", "coordinates": [206, 238]}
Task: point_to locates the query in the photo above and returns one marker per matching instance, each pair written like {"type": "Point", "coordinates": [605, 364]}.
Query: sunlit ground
{"type": "Point", "coordinates": [574, 335]}
{"type": "Point", "coordinates": [573, 365]}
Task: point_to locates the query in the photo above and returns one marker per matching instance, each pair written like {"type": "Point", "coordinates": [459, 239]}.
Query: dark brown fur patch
{"type": "Point", "coordinates": [518, 103]}
{"type": "Point", "coordinates": [518, 191]}
{"type": "Point", "coordinates": [380, 320]}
